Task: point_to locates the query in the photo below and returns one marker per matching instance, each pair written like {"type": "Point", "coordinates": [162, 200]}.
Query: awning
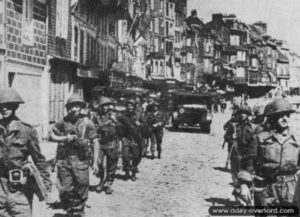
{"type": "Point", "coordinates": [88, 73]}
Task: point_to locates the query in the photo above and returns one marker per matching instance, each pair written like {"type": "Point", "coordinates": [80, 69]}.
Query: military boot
{"type": "Point", "coordinates": [133, 177]}
{"type": "Point", "coordinates": [159, 154]}
{"type": "Point", "coordinates": [99, 187]}
{"type": "Point", "coordinates": [108, 189]}
{"type": "Point", "coordinates": [127, 175]}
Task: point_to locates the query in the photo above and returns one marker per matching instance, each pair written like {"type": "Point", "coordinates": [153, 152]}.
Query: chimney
{"type": "Point", "coordinates": [262, 25]}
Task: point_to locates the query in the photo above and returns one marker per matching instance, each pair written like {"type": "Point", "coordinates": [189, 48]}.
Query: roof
{"type": "Point", "coordinates": [282, 57]}
{"type": "Point", "coordinates": [256, 31]}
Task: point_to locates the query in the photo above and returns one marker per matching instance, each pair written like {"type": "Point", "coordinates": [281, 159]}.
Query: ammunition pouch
{"type": "Point", "coordinates": [281, 192]}
{"type": "Point", "coordinates": [83, 149]}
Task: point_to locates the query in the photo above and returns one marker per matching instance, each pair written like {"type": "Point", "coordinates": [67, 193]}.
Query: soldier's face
{"type": "Point", "coordinates": [74, 109]}
{"type": "Point", "coordinates": [105, 108]}
{"type": "Point", "coordinates": [235, 101]}
{"type": "Point", "coordinates": [7, 110]}
{"type": "Point", "coordinates": [283, 121]}
{"type": "Point", "coordinates": [243, 117]}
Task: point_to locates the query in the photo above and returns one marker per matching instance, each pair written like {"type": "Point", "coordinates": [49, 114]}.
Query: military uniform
{"type": "Point", "coordinates": [18, 142]}
{"type": "Point", "coordinates": [131, 139]}
{"type": "Point", "coordinates": [143, 130]}
{"type": "Point", "coordinates": [73, 159]}
{"type": "Point", "coordinates": [274, 158]}
{"type": "Point", "coordinates": [73, 166]}
{"type": "Point", "coordinates": [240, 145]}
{"type": "Point", "coordinates": [157, 132]}
{"type": "Point", "coordinates": [244, 133]}
{"type": "Point", "coordinates": [106, 127]}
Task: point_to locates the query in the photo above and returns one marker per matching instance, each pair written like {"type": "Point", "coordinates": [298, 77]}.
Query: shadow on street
{"type": "Point", "coordinates": [222, 169]}
{"type": "Point", "coordinates": [186, 130]}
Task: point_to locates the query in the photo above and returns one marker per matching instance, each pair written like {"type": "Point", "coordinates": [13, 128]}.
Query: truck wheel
{"type": "Point", "coordinates": [206, 129]}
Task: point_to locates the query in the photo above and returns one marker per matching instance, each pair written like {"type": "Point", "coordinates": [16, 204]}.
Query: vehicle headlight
{"type": "Point", "coordinates": [181, 110]}
{"type": "Point", "coordinates": [209, 117]}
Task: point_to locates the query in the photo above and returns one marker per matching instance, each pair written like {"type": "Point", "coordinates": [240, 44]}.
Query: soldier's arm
{"type": "Point", "coordinates": [92, 135]}
{"type": "Point", "coordinates": [159, 120]}
{"type": "Point", "coordinates": [56, 134]}
{"type": "Point", "coordinates": [252, 153]}
{"type": "Point", "coordinates": [39, 159]}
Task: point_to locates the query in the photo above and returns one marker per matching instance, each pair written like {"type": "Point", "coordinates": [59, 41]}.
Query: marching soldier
{"type": "Point", "coordinates": [157, 124]}
{"type": "Point", "coordinates": [273, 160]}
{"type": "Point", "coordinates": [18, 141]}
{"type": "Point", "coordinates": [106, 126]}
{"type": "Point", "coordinates": [131, 140]}
{"type": "Point", "coordinates": [75, 132]}
{"type": "Point", "coordinates": [244, 133]}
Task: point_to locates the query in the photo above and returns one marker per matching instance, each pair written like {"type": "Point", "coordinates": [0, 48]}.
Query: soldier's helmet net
{"type": "Point", "coordinates": [75, 98]}
{"type": "Point", "coordinates": [105, 101]}
{"type": "Point", "coordinates": [10, 96]}
{"type": "Point", "coordinates": [279, 106]}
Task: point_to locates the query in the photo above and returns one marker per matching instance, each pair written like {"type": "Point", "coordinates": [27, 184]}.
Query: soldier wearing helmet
{"type": "Point", "coordinates": [131, 140]}
{"type": "Point", "coordinates": [243, 134]}
{"type": "Point", "coordinates": [274, 158]}
{"type": "Point", "coordinates": [106, 126]}
{"type": "Point", "coordinates": [74, 134]}
{"type": "Point", "coordinates": [156, 122]}
{"type": "Point", "coordinates": [18, 142]}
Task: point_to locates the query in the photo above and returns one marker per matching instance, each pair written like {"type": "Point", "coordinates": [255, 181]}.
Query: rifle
{"type": "Point", "coordinates": [41, 188]}
{"type": "Point", "coordinates": [224, 143]}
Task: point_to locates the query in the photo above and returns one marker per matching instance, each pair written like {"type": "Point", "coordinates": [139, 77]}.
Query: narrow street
{"type": "Point", "coordinates": [185, 182]}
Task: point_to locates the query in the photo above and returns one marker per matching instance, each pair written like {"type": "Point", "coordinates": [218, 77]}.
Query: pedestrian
{"type": "Point", "coordinates": [157, 131]}
{"type": "Point", "coordinates": [74, 133]}
{"type": "Point", "coordinates": [131, 140]}
{"type": "Point", "coordinates": [18, 141]}
{"type": "Point", "coordinates": [244, 133]}
{"type": "Point", "coordinates": [273, 160]}
{"type": "Point", "coordinates": [106, 126]}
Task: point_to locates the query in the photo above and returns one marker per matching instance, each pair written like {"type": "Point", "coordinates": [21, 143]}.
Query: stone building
{"type": "Point", "coordinates": [23, 49]}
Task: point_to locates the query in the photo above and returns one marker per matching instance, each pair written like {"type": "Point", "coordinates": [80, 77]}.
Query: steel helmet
{"type": "Point", "coordinates": [9, 95]}
{"type": "Point", "coordinates": [104, 100]}
{"type": "Point", "coordinates": [244, 109]}
{"type": "Point", "coordinates": [278, 106]}
{"type": "Point", "coordinates": [75, 98]}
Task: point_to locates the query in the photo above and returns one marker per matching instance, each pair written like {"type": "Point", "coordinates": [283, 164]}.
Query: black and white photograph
{"type": "Point", "coordinates": [149, 108]}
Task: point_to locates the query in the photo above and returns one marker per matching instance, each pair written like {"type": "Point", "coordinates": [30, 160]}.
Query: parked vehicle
{"type": "Point", "coordinates": [192, 109]}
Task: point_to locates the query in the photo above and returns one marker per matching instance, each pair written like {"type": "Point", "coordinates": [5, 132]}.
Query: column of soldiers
{"type": "Point", "coordinates": [85, 139]}
{"type": "Point", "coordinates": [264, 155]}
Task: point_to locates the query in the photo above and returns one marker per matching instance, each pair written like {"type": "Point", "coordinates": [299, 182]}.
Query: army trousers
{"type": "Point", "coordinates": [13, 203]}
{"type": "Point", "coordinates": [130, 155]}
{"type": "Point", "coordinates": [156, 138]}
{"type": "Point", "coordinates": [73, 178]}
{"type": "Point", "coordinates": [112, 157]}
